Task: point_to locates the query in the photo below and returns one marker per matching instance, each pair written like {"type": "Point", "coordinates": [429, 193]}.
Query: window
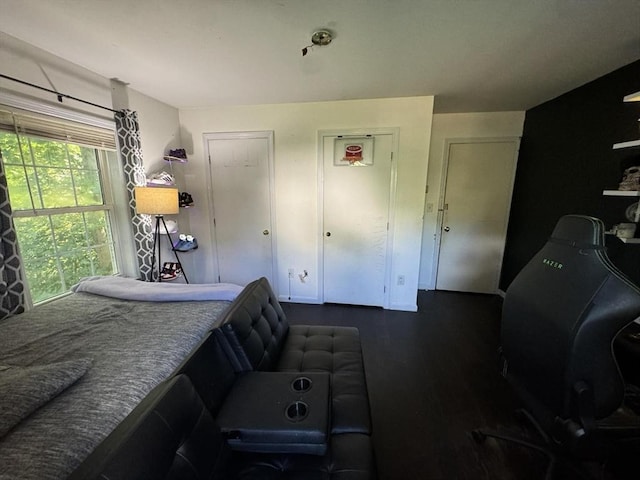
{"type": "Point", "coordinates": [62, 210]}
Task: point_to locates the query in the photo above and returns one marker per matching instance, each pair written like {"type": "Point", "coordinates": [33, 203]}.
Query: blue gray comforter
{"type": "Point", "coordinates": [132, 289]}
{"type": "Point", "coordinates": [130, 347]}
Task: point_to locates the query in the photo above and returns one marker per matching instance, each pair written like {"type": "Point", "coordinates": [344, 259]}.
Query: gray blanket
{"type": "Point", "coordinates": [132, 289]}
{"type": "Point", "coordinates": [132, 346]}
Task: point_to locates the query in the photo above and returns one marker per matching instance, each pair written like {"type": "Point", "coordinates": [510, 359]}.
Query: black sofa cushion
{"type": "Point", "coordinates": [259, 326]}
{"type": "Point", "coordinates": [321, 349]}
{"type": "Point", "coordinates": [335, 350]}
{"type": "Point", "coordinates": [170, 435]}
{"type": "Point", "coordinates": [210, 371]}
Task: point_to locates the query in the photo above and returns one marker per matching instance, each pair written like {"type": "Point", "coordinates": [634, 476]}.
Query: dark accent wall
{"type": "Point", "coordinates": [566, 160]}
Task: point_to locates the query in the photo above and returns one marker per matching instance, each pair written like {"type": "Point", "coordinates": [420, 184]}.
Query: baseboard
{"type": "Point", "coordinates": [296, 299]}
{"type": "Point", "coordinates": [404, 307]}
{"type": "Point", "coordinates": [312, 300]}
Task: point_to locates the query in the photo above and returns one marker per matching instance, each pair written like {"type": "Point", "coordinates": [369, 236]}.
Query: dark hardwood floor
{"type": "Point", "coordinates": [432, 377]}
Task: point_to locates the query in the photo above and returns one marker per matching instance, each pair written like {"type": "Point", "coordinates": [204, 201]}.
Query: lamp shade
{"type": "Point", "coordinates": [156, 200]}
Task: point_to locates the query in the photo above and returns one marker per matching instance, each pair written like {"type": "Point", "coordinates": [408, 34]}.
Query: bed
{"type": "Point", "coordinates": [83, 363]}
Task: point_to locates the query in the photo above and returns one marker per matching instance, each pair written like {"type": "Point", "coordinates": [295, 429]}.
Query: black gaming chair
{"type": "Point", "coordinates": [559, 319]}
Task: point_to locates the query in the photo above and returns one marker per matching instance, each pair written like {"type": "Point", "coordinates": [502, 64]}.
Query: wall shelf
{"type": "Point", "coordinates": [621, 193]}
{"type": "Point", "coordinates": [631, 144]}
{"type": "Point", "coordinates": [624, 240]}
{"type": "Point", "coordinates": [632, 97]}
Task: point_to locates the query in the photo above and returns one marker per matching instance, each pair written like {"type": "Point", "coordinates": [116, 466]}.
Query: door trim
{"type": "Point", "coordinates": [394, 132]}
{"type": "Point", "coordinates": [443, 190]}
{"type": "Point", "coordinates": [265, 134]}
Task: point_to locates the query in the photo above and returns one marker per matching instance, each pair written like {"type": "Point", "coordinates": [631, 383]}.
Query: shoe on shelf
{"type": "Point", "coordinates": [170, 271]}
{"type": "Point", "coordinates": [189, 243]}
{"type": "Point", "coordinates": [182, 239]}
{"type": "Point", "coordinates": [177, 155]}
{"type": "Point", "coordinates": [185, 200]}
{"type": "Point", "coordinates": [161, 178]}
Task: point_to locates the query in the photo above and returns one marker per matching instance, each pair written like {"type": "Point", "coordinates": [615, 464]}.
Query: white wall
{"type": "Point", "coordinates": [25, 62]}
{"type": "Point", "coordinates": [449, 126]}
{"type": "Point", "coordinates": [296, 128]}
{"type": "Point", "coordinates": [159, 130]}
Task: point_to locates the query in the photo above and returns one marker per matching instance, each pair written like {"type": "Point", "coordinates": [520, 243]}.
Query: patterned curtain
{"type": "Point", "coordinates": [129, 146]}
{"type": "Point", "coordinates": [11, 284]}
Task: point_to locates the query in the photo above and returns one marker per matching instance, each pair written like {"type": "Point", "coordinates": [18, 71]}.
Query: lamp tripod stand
{"type": "Point", "coordinates": [157, 246]}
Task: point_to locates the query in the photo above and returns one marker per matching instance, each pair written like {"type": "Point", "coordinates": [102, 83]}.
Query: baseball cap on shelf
{"type": "Point", "coordinates": [172, 227]}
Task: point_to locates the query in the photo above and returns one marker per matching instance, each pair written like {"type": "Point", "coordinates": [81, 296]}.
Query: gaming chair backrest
{"type": "Point", "coordinates": [560, 316]}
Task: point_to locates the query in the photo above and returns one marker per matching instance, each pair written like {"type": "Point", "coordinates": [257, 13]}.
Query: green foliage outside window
{"type": "Point", "coordinates": [58, 247]}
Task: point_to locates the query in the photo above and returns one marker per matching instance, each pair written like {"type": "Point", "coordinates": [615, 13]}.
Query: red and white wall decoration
{"type": "Point", "coordinates": [353, 152]}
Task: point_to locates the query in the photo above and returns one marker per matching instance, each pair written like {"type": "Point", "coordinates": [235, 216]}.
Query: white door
{"type": "Point", "coordinates": [356, 199]}
{"type": "Point", "coordinates": [241, 178]}
{"type": "Point", "coordinates": [475, 212]}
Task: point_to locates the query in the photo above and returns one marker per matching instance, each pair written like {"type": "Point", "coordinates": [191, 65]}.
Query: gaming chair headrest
{"type": "Point", "coordinates": [579, 230]}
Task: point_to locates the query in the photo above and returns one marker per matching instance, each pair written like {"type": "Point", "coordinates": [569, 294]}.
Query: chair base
{"type": "Point", "coordinates": [481, 435]}
{"type": "Point", "coordinates": [547, 445]}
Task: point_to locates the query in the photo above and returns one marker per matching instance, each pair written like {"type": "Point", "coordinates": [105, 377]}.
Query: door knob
{"type": "Point", "coordinates": [266, 232]}
{"type": "Point", "coordinates": [328, 234]}
{"type": "Point", "coordinates": [446, 229]}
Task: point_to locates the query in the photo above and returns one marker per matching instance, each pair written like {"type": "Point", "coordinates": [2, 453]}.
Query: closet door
{"type": "Point", "coordinates": [241, 179]}
{"type": "Point", "coordinates": [356, 201]}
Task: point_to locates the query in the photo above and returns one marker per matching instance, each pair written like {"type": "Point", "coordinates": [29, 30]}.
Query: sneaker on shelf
{"type": "Point", "coordinates": [189, 243]}
{"type": "Point", "coordinates": [161, 178]}
{"type": "Point", "coordinates": [185, 200]}
{"type": "Point", "coordinates": [182, 240]}
{"type": "Point", "coordinates": [177, 155]}
{"type": "Point", "coordinates": [170, 271]}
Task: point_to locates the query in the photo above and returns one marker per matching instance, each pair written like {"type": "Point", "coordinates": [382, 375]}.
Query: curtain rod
{"type": "Point", "coordinates": [58, 94]}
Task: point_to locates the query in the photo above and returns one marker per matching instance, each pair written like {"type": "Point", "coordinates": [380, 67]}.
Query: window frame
{"type": "Point", "coordinates": [107, 206]}
{"type": "Point", "coordinates": [112, 182]}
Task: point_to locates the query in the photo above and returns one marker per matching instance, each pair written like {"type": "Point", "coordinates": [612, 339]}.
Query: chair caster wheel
{"type": "Point", "coordinates": [478, 436]}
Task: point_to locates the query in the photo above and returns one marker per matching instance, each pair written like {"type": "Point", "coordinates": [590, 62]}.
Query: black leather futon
{"type": "Point", "coordinates": [256, 399]}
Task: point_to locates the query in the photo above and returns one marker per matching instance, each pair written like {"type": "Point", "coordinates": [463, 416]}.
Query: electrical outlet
{"type": "Point", "coordinates": [400, 279]}
{"type": "Point", "coordinates": [291, 272]}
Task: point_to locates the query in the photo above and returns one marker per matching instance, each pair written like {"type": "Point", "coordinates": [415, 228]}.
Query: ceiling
{"type": "Point", "coordinates": [473, 55]}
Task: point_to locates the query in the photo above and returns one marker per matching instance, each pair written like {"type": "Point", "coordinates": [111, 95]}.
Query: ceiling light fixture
{"type": "Point", "coordinates": [319, 38]}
